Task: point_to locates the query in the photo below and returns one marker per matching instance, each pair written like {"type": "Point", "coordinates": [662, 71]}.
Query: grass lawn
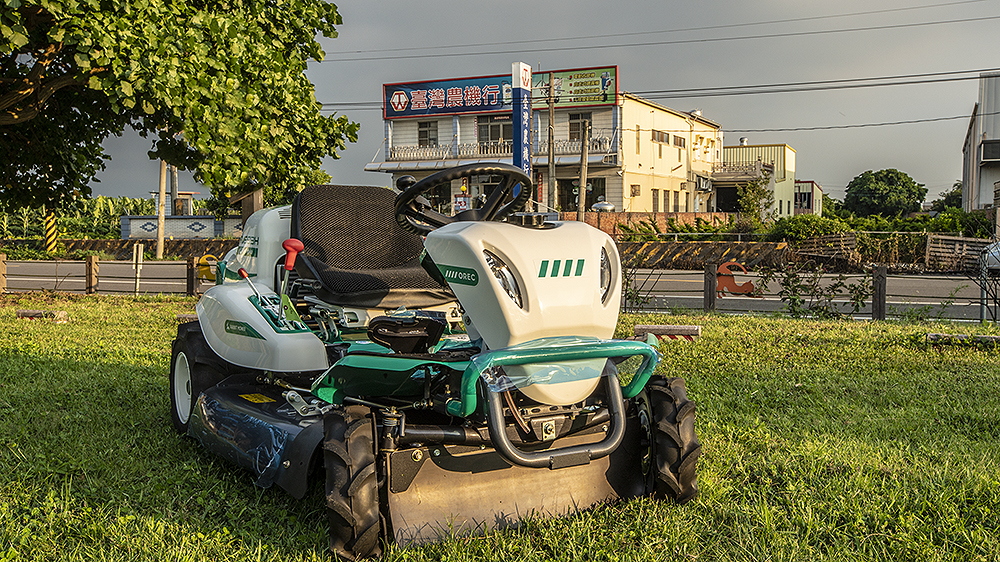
{"type": "Point", "coordinates": [823, 440]}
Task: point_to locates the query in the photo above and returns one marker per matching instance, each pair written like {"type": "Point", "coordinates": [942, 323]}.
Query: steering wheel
{"type": "Point", "coordinates": [414, 213]}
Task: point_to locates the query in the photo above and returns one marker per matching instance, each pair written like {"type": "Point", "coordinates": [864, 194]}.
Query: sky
{"type": "Point", "coordinates": [668, 45]}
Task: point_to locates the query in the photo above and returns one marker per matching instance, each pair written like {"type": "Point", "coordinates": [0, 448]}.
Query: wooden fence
{"type": "Point", "coordinates": [842, 246]}
{"type": "Point", "coordinates": [105, 277]}
{"type": "Point", "coordinates": [942, 252]}
{"type": "Point", "coordinates": [954, 253]}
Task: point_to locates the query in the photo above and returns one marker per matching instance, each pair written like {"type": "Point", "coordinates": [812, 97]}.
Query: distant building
{"type": "Point", "coordinates": [744, 163]}
{"type": "Point", "coordinates": [808, 198]}
{"type": "Point", "coordinates": [981, 152]}
{"type": "Point", "coordinates": [642, 156]}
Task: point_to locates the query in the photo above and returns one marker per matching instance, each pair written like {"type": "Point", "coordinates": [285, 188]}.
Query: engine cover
{"type": "Point", "coordinates": [556, 271]}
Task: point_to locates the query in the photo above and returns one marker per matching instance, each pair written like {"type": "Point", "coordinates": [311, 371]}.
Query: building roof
{"type": "Point", "coordinates": [786, 145]}
{"type": "Point", "coordinates": [682, 114]}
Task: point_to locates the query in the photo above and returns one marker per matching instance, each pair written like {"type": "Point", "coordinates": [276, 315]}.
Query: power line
{"type": "Point", "coordinates": [675, 30]}
{"type": "Point", "coordinates": [810, 89]}
{"type": "Point", "coordinates": [855, 126]}
{"type": "Point", "coordinates": [706, 90]}
{"type": "Point", "coordinates": [670, 42]}
{"type": "Point", "coordinates": [787, 87]}
{"type": "Point", "coordinates": [820, 85]}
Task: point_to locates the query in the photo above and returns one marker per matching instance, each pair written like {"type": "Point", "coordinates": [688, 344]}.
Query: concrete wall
{"type": "Point", "coordinates": [186, 227]}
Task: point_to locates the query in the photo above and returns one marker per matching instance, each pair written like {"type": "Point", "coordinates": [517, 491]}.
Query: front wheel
{"type": "Point", "coordinates": [672, 448]}
{"type": "Point", "coordinates": [194, 368]}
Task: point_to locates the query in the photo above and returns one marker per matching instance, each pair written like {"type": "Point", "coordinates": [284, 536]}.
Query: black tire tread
{"type": "Point", "coordinates": [351, 483]}
{"type": "Point", "coordinates": [676, 446]}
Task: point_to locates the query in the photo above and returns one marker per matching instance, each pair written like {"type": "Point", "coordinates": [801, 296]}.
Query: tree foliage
{"type": "Point", "coordinates": [805, 226]}
{"type": "Point", "coordinates": [886, 192]}
{"type": "Point", "coordinates": [756, 201]}
{"type": "Point", "coordinates": [219, 83]}
{"type": "Point", "coordinates": [951, 198]}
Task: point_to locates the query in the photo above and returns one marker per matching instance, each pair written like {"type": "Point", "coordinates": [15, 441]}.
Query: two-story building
{"type": "Point", "coordinates": [744, 163]}
{"type": "Point", "coordinates": [641, 156]}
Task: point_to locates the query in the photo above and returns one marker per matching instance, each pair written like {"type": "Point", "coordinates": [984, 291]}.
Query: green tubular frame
{"type": "Point", "coordinates": [465, 406]}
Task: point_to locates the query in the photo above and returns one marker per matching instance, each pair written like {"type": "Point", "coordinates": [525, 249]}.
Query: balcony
{"type": "Point", "coordinates": [726, 171]}
{"type": "Point", "coordinates": [598, 145]}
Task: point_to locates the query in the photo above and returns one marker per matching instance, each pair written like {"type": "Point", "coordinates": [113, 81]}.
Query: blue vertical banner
{"type": "Point", "coordinates": [521, 85]}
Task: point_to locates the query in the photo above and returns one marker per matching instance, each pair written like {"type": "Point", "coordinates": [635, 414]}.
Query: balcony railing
{"type": "Point", "coordinates": [598, 145]}
{"type": "Point", "coordinates": [741, 170]}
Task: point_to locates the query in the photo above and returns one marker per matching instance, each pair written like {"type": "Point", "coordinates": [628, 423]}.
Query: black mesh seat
{"type": "Point", "coordinates": [357, 251]}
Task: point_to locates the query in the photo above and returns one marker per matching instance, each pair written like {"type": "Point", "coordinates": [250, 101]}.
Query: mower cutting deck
{"type": "Point", "coordinates": [423, 431]}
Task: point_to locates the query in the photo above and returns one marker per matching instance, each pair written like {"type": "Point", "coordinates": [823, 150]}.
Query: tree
{"type": "Point", "coordinates": [885, 192]}
{"type": "Point", "coordinates": [951, 198]}
{"type": "Point", "coordinates": [756, 201]}
{"type": "Point", "coordinates": [58, 154]}
{"type": "Point", "coordinates": [220, 84]}
{"type": "Point", "coordinates": [833, 208]}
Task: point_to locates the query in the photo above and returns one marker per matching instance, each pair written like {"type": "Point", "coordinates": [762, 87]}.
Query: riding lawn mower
{"type": "Point", "coordinates": [447, 374]}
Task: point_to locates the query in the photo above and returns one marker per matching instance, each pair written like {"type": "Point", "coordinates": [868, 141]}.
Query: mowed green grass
{"type": "Point", "coordinates": [822, 441]}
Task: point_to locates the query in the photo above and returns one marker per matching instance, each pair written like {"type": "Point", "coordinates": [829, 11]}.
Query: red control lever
{"type": "Point", "coordinates": [243, 273]}
{"type": "Point", "coordinates": [292, 246]}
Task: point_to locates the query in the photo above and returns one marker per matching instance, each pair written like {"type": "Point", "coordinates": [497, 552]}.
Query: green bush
{"type": "Point", "coordinates": [803, 227]}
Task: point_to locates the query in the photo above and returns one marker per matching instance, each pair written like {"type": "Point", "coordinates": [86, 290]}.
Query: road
{"type": "Point", "coordinates": [946, 296]}
{"type": "Point", "coordinates": [933, 296]}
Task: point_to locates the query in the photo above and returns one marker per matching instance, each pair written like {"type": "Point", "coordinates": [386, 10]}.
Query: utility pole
{"type": "Point", "coordinates": [161, 208]}
{"type": "Point", "coordinates": [174, 198]}
{"type": "Point", "coordinates": [552, 142]}
{"type": "Point", "coordinates": [581, 194]}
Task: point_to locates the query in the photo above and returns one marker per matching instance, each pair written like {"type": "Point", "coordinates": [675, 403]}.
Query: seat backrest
{"type": "Point", "coordinates": [352, 227]}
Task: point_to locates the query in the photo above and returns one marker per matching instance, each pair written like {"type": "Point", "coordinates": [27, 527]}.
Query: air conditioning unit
{"type": "Point", "coordinates": [991, 151]}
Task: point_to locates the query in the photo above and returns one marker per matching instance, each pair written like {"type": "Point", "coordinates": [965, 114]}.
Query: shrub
{"type": "Point", "coordinates": [802, 227]}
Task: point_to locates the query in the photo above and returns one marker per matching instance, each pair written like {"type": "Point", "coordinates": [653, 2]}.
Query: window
{"type": "Point", "coordinates": [781, 206]}
{"type": "Point", "coordinates": [496, 134]}
{"type": "Point", "coordinates": [677, 201]}
{"type": "Point", "coordinates": [495, 128]}
{"type": "Point", "coordinates": [660, 138]}
{"type": "Point", "coordinates": [679, 142]}
{"type": "Point", "coordinates": [576, 125]}
{"type": "Point", "coordinates": [427, 133]}
{"type": "Point", "coordinates": [637, 140]}
{"type": "Point", "coordinates": [656, 200]}
{"type": "Point", "coordinates": [803, 200]}
{"type": "Point", "coordinates": [635, 190]}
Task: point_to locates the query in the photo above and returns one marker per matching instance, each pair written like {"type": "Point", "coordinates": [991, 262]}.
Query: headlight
{"type": "Point", "coordinates": [605, 275]}
{"type": "Point", "coordinates": [504, 275]}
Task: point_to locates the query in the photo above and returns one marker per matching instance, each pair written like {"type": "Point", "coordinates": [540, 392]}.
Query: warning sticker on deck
{"type": "Point", "coordinates": [257, 398]}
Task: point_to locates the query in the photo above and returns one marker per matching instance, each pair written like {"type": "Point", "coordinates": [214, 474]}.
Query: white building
{"type": "Point", "coordinates": [981, 151]}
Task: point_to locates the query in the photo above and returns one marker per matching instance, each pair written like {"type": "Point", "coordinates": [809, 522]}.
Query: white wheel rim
{"type": "Point", "coordinates": [182, 388]}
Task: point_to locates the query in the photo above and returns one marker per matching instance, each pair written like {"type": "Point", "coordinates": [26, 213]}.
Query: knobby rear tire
{"type": "Point", "coordinates": [675, 446]}
{"type": "Point", "coordinates": [351, 483]}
